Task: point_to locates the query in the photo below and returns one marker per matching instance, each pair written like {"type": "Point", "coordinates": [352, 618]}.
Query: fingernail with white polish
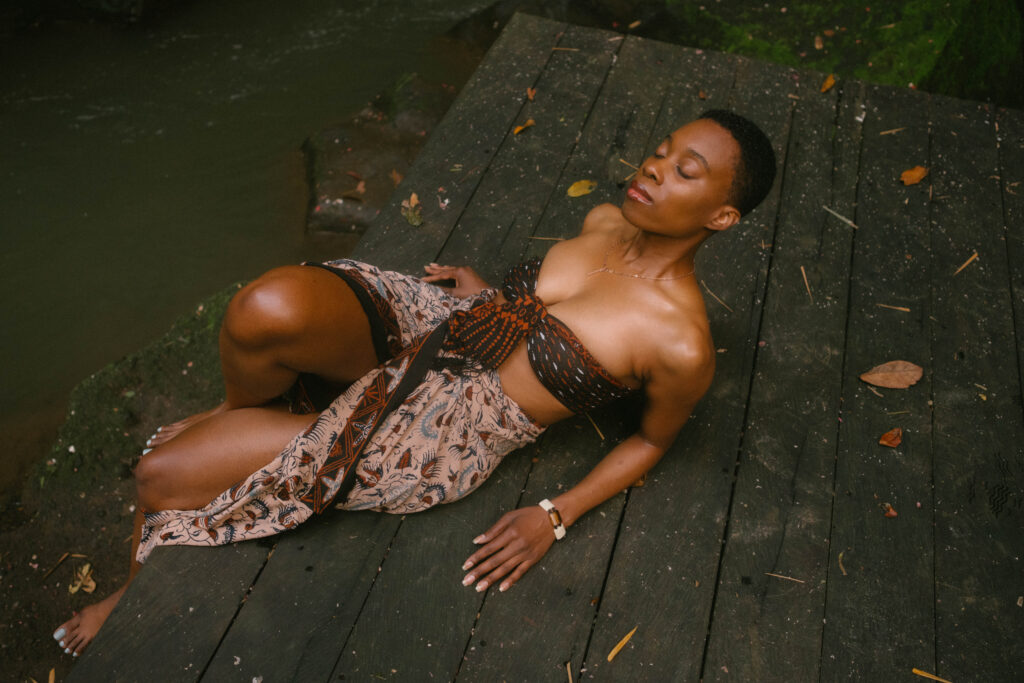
{"type": "Point", "coordinates": [59, 633]}
{"type": "Point", "coordinates": [468, 580]}
{"type": "Point", "coordinates": [481, 587]}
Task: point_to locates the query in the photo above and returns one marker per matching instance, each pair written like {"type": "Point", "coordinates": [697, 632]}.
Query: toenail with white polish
{"type": "Point", "coordinates": [67, 650]}
{"type": "Point", "coordinates": [146, 450]}
{"type": "Point", "coordinates": [59, 633]}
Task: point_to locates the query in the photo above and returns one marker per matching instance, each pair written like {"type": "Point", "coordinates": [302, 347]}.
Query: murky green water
{"type": "Point", "coordinates": [143, 168]}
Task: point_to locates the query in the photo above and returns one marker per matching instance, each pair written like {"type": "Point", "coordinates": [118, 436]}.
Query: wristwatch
{"type": "Point", "coordinates": [556, 518]}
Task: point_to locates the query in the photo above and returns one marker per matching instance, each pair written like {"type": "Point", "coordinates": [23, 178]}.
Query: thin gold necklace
{"type": "Point", "coordinates": [605, 269]}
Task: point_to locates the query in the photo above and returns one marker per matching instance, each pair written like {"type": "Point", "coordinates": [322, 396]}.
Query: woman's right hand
{"type": "Point", "coordinates": [467, 281]}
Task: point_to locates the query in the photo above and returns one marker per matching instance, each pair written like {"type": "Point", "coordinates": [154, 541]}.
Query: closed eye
{"type": "Point", "coordinates": [679, 170]}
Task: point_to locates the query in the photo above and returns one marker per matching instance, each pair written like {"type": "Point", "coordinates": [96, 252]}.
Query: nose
{"type": "Point", "coordinates": [652, 169]}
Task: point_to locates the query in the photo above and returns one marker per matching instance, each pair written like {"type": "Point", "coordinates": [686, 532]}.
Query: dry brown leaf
{"type": "Point", "coordinates": [531, 93]}
{"type": "Point", "coordinates": [581, 187]}
{"type": "Point", "coordinates": [912, 176]}
{"type": "Point", "coordinates": [412, 210]}
{"type": "Point", "coordinates": [519, 129]}
{"type": "Point", "coordinates": [890, 511]}
{"type": "Point", "coordinates": [892, 438]}
{"type": "Point", "coordinates": [819, 43]}
{"type": "Point", "coordinates": [82, 580]}
{"type": "Point", "coordinates": [896, 374]}
{"type": "Point", "coordinates": [395, 176]}
{"type": "Point", "coordinates": [702, 95]}
{"type": "Point", "coordinates": [827, 84]}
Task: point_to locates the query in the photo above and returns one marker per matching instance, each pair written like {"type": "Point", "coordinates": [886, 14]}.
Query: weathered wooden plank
{"type": "Point", "coordinates": [1010, 128]}
{"type": "Point", "coordinates": [979, 466]}
{"type": "Point", "coordinates": [569, 579]}
{"type": "Point", "coordinates": [298, 616]}
{"type": "Point", "coordinates": [462, 146]}
{"type": "Point", "coordinates": [766, 627]}
{"type": "Point", "coordinates": [663, 574]}
{"type": "Point", "coordinates": [493, 232]}
{"type": "Point", "coordinates": [169, 622]}
{"type": "Point", "coordinates": [879, 606]}
{"type": "Point", "coordinates": [417, 619]}
{"type": "Point", "coordinates": [549, 612]}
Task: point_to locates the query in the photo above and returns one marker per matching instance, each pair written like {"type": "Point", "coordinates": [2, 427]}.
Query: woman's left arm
{"type": "Point", "coordinates": [521, 537]}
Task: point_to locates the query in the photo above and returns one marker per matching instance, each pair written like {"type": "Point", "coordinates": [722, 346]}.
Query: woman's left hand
{"type": "Point", "coordinates": [467, 281]}
{"type": "Point", "coordinates": [514, 544]}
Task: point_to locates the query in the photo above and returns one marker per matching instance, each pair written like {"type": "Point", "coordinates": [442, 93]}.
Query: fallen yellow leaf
{"type": "Point", "coordinates": [519, 129]}
{"type": "Point", "coordinates": [912, 176]}
{"type": "Point", "coordinates": [531, 93]}
{"type": "Point", "coordinates": [581, 187]}
{"type": "Point", "coordinates": [827, 84]}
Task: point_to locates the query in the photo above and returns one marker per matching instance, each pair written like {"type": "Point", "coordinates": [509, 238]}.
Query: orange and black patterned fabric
{"type": "Point", "coordinates": [489, 332]}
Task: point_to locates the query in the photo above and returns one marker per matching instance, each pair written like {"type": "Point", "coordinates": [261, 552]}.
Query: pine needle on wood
{"type": "Point", "coordinates": [622, 644]}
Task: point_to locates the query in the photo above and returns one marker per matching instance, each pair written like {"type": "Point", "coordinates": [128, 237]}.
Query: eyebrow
{"type": "Point", "coordinates": [692, 152]}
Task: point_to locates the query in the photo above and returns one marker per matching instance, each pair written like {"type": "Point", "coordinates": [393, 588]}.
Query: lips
{"type": "Point", "coordinates": [637, 193]}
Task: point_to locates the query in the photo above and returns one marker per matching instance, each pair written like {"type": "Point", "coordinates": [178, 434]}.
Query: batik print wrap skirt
{"type": "Point", "coordinates": [423, 428]}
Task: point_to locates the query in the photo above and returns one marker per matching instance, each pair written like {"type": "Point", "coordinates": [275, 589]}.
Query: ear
{"type": "Point", "coordinates": [725, 217]}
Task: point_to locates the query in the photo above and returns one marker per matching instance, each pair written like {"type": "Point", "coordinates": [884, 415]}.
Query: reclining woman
{"type": "Point", "coordinates": [433, 386]}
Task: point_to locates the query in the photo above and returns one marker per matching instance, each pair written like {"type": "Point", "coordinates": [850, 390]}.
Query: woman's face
{"type": "Point", "coordinates": [684, 187]}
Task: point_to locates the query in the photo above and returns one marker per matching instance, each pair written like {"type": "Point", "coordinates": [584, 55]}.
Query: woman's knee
{"type": "Point", "coordinates": [155, 481]}
{"type": "Point", "coordinates": [274, 307]}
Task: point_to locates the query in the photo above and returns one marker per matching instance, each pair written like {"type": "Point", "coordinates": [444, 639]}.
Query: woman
{"type": "Point", "coordinates": [441, 383]}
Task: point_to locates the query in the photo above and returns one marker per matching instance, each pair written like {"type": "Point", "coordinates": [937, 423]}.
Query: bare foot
{"type": "Point", "coordinates": [78, 631]}
{"type": "Point", "coordinates": [168, 432]}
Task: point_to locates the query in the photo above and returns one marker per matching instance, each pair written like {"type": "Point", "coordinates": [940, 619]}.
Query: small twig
{"type": "Point", "coordinates": [841, 567]}
{"type": "Point", "coordinates": [54, 567]}
{"type": "Point", "coordinates": [807, 284]}
{"type": "Point", "coordinates": [892, 130]}
{"type": "Point", "coordinates": [787, 578]}
{"type": "Point", "coordinates": [876, 392]}
{"type": "Point", "coordinates": [628, 164]}
{"type": "Point", "coordinates": [595, 426]}
{"type": "Point", "coordinates": [895, 308]}
{"type": "Point", "coordinates": [968, 261]}
{"type": "Point", "coordinates": [899, 412]}
{"type": "Point", "coordinates": [840, 217]}
{"type": "Point", "coordinates": [715, 296]}
{"type": "Point", "coordinates": [925, 674]}
{"type": "Point", "coordinates": [567, 49]}
{"type": "Point", "coordinates": [550, 239]}
{"type": "Point", "coordinates": [622, 644]}
{"type": "Point", "coordinates": [568, 670]}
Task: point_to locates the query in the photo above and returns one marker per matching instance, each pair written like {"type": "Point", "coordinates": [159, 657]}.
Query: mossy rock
{"type": "Point", "coordinates": [113, 412]}
{"type": "Point", "coordinates": [963, 48]}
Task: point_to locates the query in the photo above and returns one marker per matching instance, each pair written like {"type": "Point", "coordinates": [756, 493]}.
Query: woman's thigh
{"type": "Point", "coordinates": [211, 456]}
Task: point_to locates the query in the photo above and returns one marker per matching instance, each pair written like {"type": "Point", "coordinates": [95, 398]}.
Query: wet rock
{"type": "Point", "coordinates": [353, 168]}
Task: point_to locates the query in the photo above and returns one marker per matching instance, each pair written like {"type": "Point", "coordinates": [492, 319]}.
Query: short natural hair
{"type": "Point", "coordinates": [755, 171]}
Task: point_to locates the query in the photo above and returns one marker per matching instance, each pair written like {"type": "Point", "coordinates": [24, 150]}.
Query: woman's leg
{"type": "Point", "coordinates": [188, 473]}
{"type": "Point", "coordinates": [294, 319]}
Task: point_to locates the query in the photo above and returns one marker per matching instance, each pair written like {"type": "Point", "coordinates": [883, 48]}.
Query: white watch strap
{"type": "Point", "coordinates": [556, 518]}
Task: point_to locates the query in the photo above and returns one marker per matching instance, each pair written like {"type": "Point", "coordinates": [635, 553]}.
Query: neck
{"type": "Point", "coordinates": [660, 256]}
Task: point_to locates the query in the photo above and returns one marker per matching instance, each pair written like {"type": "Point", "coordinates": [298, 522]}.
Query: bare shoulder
{"type": "Point", "coordinates": [682, 352]}
{"type": "Point", "coordinates": [603, 218]}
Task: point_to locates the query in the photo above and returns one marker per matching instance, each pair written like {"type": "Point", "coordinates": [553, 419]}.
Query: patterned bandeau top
{"type": "Point", "coordinates": [489, 332]}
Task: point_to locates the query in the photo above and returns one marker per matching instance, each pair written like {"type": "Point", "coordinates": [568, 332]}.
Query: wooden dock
{"type": "Point", "coordinates": [758, 549]}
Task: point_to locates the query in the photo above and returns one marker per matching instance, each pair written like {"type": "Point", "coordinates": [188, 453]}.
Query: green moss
{"type": "Point", "coordinates": [964, 48]}
{"type": "Point", "coordinates": [113, 412]}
